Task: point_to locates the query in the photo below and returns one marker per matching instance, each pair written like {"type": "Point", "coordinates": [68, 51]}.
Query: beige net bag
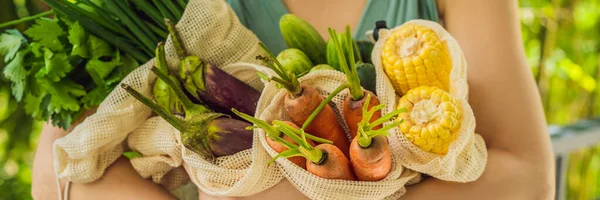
{"type": "Point", "coordinates": [467, 155]}
{"type": "Point", "coordinates": [212, 32]}
{"type": "Point", "coordinates": [325, 81]}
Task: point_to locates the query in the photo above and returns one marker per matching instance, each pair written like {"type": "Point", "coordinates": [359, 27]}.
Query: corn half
{"type": "Point", "coordinates": [432, 119]}
{"type": "Point", "coordinates": [414, 56]}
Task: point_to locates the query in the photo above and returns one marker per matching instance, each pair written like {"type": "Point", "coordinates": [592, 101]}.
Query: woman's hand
{"type": "Point", "coordinates": [120, 180]}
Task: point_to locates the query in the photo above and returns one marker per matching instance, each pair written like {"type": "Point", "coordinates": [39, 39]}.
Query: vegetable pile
{"type": "Point", "coordinates": [63, 66]}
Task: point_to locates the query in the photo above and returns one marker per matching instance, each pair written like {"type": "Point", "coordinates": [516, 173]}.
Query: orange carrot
{"type": "Point", "coordinates": [354, 102]}
{"type": "Point", "coordinates": [369, 150]}
{"type": "Point", "coordinates": [353, 111]}
{"type": "Point", "coordinates": [324, 125]}
{"type": "Point", "coordinates": [324, 160]}
{"type": "Point", "coordinates": [302, 100]}
{"type": "Point", "coordinates": [277, 140]}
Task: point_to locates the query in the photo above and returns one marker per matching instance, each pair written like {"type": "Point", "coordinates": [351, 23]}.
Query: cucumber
{"type": "Point", "coordinates": [321, 67]}
{"type": "Point", "coordinates": [365, 48]}
{"type": "Point", "coordinates": [332, 58]}
{"type": "Point", "coordinates": [295, 60]}
{"type": "Point", "coordinates": [366, 74]}
{"type": "Point", "coordinates": [299, 34]}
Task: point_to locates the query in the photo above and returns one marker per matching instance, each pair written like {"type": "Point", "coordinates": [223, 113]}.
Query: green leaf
{"type": "Point", "coordinates": [15, 72]}
{"type": "Point", "coordinates": [78, 38]}
{"type": "Point", "coordinates": [10, 43]}
{"type": "Point", "coordinates": [63, 119]}
{"type": "Point", "coordinates": [131, 154]}
{"type": "Point", "coordinates": [57, 66]}
{"type": "Point", "coordinates": [7, 104]}
{"type": "Point", "coordinates": [99, 69]}
{"type": "Point", "coordinates": [99, 48]}
{"type": "Point", "coordinates": [36, 106]}
{"type": "Point", "coordinates": [64, 94]}
{"type": "Point", "coordinates": [95, 96]}
{"type": "Point", "coordinates": [46, 32]}
{"type": "Point", "coordinates": [128, 65]}
{"type": "Point", "coordinates": [37, 49]}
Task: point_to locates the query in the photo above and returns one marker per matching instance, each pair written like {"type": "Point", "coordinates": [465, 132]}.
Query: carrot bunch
{"type": "Point", "coordinates": [302, 100]}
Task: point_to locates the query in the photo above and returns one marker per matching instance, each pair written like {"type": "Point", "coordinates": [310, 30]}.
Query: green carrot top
{"type": "Point", "coordinates": [365, 131]}
{"type": "Point", "coordinates": [286, 78]}
{"type": "Point", "coordinates": [349, 68]}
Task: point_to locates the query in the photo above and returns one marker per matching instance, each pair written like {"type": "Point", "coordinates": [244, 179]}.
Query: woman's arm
{"type": "Point", "coordinates": [120, 180]}
{"type": "Point", "coordinates": [506, 104]}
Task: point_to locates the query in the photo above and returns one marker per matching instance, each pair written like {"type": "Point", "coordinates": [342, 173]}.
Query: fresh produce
{"type": "Point", "coordinates": [63, 66]}
{"type": "Point", "coordinates": [279, 141]}
{"type": "Point", "coordinates": [365, 48]}
{"type": "Point", "coordinates": [354, 102]}
{"type": "Point", "coordinates": [321, 67]}
{"type": "Point", "coordinates": [414, 56]}
{"type": "Point", "coordinates": [369, 150]}
{"type": "Point", "coordinates": [299, 34]}
{"type": "Point", "coordinates": [206, 133]}
{"type": "Point", "coordinates": [208, 84]}
{"type": "Point", "coordinates": [432, 120]}
{"type": "Point", "coordinates": [162, 93]}
{"type": "Point", "coordinates": [295, 60]}
{"type": "Point", "coordinates": [332, 54]}
{"type": "Point", "coordinates": [365, 70]}
{"type": "Point", "coordinates": [366, 75]}
{"type": "Point", "coordinates": [301, 100]}
{"type": "Point", "coordinates": [324, 160]}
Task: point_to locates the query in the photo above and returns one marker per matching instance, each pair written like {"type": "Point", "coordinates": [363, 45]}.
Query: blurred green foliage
{"type": "Point", "coordinates": [562, 43]}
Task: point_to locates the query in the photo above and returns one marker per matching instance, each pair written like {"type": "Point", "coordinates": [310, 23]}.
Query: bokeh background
{"type": "Point", "coordinates": [562, 42]}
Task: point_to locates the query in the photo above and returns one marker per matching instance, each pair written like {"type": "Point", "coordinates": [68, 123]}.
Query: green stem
{"type": "Point", "coordinates": [357, 51]}
{"type": "Point", "coordinates": [99, 31]}
{"type": "Point", "coordinates": [151, 11]}
{"type": "Point", "coordinates": [288, 130]}
{"type": "Point", "coordinates": [187, 103]}
{"type": "Point", "coordinates": [312, 137]}
{"type": "Point", "coordinates": [157, 30]}
{"type": "Point", "coordinates": [173, 9]}
{"type": "Point", "coordinates": [322, 105]}
{"type": "Point", "coordinates": [291, 152]}
{"type": "Point", "coordinates": [182, 4]}
{"type": "Point", "coordinates": [25, 19]}
{"type": "Point", "coordinates": [179, 48]}
{"type": "Point", "coordinates": [163, 10]}
{"type": "Point", "coordinates": [147, 43]}
{"type": "Point", "coordinates": [174, 121]}
{"type": "Point", "coordinates": [161, 60]}
{"type": "Point", "coordinates": [271, 131]}
{"type": "Point", "coordinates": [278, 67]}
{"type": "Point", "coordinates": [137, 21]}
{"type": "Point", "coordinates": [356, 91]}
{"type": "Point", "coordinates": [385, 118]}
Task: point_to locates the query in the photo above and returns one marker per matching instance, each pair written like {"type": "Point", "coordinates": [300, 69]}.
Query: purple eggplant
{"type": "Point", "coordinates": [210, 85]}
{"type": "Point", "coordinates": [205, 132]}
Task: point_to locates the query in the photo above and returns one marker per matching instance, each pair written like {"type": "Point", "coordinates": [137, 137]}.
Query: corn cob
{"type": "Point", "coordinates": [414, 56]}
{"type": "Point", "coordinates": [432, 119]}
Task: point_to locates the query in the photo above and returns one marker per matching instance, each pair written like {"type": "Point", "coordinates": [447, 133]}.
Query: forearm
{"type": "Point", "coordinates": [120, 181]}
{"type": "Point", "coordinates": [505, 177]}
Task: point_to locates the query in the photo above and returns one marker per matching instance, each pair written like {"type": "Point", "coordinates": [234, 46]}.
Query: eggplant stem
{"type": "Point", "coordinates": [179, 48]}
{"type": "Point", "coordinates": [174, 121]}
{"type": "Point", "coordinates": [314, 114]}
{"type": "Point", "coordinates": [187, 103]}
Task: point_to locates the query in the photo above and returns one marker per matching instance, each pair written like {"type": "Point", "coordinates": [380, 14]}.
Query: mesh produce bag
{"type": "Point", "coordinates": [211, 31]}
{"type": "Point", "coordinates": [467, 154]}
{"type": "Point", "coordinates": [325, 81]}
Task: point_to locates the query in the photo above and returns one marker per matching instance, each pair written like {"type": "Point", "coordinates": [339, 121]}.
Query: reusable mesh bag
{"type": "Point", "coordinates": [467, 155]}
{"type": "Point", "coordinates": [242, 174]}
{"type": "Point", "coordinates": [325, 81]}
{"type": "Point", "coordinates": [211, 31]}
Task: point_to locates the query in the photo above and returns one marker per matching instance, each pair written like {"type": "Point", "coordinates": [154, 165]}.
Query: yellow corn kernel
{"type": "Point", "coordinates": [432, 119]}
{"type": "Point", "coordinates": [414, 56]}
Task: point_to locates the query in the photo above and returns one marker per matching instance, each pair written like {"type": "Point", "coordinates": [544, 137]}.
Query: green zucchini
{"type": "Point", "coordinates": [299, 34]}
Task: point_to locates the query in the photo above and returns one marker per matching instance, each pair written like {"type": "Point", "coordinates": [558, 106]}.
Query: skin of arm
{"type": "Point", "coordinates": [120, 180]}
{"type": "Point", "coordinates": [506, 104]}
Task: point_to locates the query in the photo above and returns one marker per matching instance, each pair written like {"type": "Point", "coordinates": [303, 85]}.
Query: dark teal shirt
{"type": "Point", "coordinates": [262, 17]}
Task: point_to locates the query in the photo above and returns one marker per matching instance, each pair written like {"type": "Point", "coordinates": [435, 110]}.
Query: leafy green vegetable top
{"type": "Point", "coordinates": [62, 71]}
